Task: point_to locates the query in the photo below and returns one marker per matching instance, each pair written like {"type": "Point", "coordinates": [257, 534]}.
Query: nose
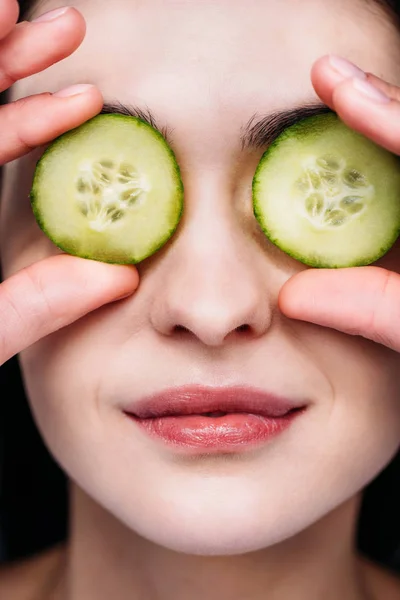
{"type": "Point", "coordinates": [213, 284]}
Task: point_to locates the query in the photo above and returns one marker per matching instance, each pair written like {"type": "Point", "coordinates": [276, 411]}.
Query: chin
{"type": "Point", "coordinates": [212, 526]}
{"type": "Point", "coordinates": [209, 536]}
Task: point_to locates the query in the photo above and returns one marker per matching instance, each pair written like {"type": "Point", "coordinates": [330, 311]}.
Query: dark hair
{"type": "Point", "coordinates": [393, 6]}
{"type": "Point", "coordinates": [33, 489]}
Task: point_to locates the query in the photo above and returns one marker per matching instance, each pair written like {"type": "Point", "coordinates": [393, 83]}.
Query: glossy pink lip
{"type": "Point", "coordinates": [214, 419]}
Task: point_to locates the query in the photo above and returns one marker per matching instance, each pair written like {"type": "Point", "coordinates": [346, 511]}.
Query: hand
{"type": "Point", "coordinates": [363, 300]}
{"type": "Point", "coordinates": [26, 49]}
{"type": "Point", "coordinates": [55, 292]}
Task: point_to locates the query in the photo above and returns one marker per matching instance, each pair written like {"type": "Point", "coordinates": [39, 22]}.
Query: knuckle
{"type": "Point", "coordinates": [375, 316]}
{"type": "Point", "coordinates": [39, 288]}
{"type": "Point", "coordinates": [11, 311]}
{"type": "Point", "coordinates": [20, 121]}
{"type": "Point", "coordinates": [14, 58]}
{"type": "Point", "coordinates": [11, 320]}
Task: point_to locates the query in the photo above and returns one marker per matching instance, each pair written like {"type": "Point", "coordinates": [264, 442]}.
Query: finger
{"type": "Point", "coordinates": [367, 110]}
{"type": "Point", "coordinates": [361, 301]}
{"type": "Point", "coordinates": [32, 47]}
{"type": "Point", "coordinates": [329, 71]}
{"type": "Point", "coordinates": [54, 293]}
{"type": "Point", "coordinates": [363, 101]}
{"type": "Point", "coordinates": [37, 120]}
{"type": "Point", "coordinates": [9, 11]}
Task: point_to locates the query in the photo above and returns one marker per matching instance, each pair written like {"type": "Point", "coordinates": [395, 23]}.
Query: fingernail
{"type": "Point", "coordinates": [345, 68]}
{"type": "Point", "coordinates": [74, 90]}
{"type": "Point", "coordinates": [51, 15]}
{"type": "Point", "coordinates": [370, 91]}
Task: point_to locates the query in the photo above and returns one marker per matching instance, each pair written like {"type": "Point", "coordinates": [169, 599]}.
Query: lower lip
{"type": "Point", "coordinates": [230, 432]}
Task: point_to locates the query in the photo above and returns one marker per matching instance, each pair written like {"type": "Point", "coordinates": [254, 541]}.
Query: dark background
{"type": "Point", "coordinates": [32, 487]}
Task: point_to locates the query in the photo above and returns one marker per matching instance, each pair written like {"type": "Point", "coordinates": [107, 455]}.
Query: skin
{"type": "Point", "coordinates": [280, 518]}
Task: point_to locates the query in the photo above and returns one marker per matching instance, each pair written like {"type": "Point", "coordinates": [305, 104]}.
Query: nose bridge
{"type": "Point", "coordinates": [214, 284]}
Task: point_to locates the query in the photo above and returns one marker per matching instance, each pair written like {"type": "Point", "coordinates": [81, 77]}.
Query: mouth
{"type": "Point", "coordinates": [210, 419]}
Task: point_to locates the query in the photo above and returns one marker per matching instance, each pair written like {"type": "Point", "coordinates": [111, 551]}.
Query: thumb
{"type": "Point", "coordinates": [359, 301]}
{"type": "Point", "coordinates": [53, 293]}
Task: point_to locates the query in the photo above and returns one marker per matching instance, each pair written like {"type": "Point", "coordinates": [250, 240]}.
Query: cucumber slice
{"type": "Point", "coordinates": [109, 190]}
{"type": "Point", "coordinates": [328, 196]}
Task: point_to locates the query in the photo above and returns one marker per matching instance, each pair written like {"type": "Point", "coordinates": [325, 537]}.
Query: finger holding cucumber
{"type": "Point", "coordinates": [59, 290]}
{"type": "Point", "coordinates": [363, 301]}
{"type": "Point", "coordinates": [53, 293]}
{"type": "Point", "coordinates": [363, 101]}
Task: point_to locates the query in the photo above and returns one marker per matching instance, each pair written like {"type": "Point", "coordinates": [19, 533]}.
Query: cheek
{"type": "Point", "coordinates": [71, 364]}
{"type": "Point", "coordinates": [364, 378]}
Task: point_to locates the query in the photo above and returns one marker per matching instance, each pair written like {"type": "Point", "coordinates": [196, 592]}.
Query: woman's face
{"type": "Point", "coordinates": [206, 310]}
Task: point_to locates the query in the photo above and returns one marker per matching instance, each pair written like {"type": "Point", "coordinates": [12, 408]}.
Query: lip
{"type": "Point", "coordinates": [179, 417]}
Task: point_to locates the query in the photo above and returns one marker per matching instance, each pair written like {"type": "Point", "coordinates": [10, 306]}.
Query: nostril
{"type": "Point", "coordinates": [181, 329]}
{"type": "Point", "coordinates": [243, 328]}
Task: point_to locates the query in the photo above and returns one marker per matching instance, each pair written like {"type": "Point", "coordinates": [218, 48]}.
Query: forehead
{"type": "Point", "coordinates": [203, 63]}
{"type": "Point", "coordinates": [225, 42]}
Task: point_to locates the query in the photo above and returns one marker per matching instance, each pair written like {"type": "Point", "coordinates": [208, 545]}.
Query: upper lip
{"type": "Point", "coordinates": [200, 400]}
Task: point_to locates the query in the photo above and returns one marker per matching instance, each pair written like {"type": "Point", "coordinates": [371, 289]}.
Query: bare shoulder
{"type": "Point", "coordinates": [31, 578]}
{"type": "Point", "coordinates": [382, 583]}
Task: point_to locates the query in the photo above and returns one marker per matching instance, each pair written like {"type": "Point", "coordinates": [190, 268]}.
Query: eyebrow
{"type": "Point", "coordinates": [145, 114]}
{"type": "Point", "coordinates": [258, 132]}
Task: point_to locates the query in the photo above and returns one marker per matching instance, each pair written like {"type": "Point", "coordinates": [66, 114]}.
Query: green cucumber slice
{"type": "Point", "coordinates": [109, 190]}
{"type": "Point", "coordinates": [328, 196]}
